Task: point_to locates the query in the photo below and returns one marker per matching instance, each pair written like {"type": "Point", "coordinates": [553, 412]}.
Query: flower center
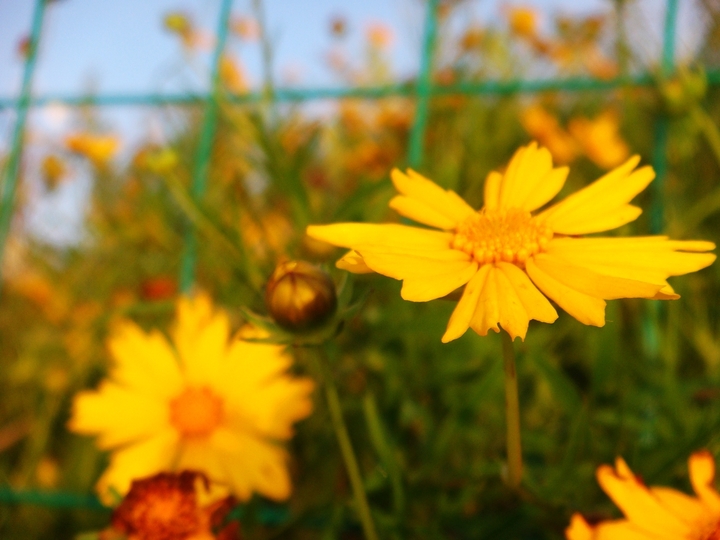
{"type": "Point", "coordinates": [511, 235]}
{"type": "Point", "coordinates": [196, 412]}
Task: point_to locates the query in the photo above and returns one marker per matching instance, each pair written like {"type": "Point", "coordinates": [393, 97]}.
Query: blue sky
{"type": "Point", "coordinates": [112, 47]}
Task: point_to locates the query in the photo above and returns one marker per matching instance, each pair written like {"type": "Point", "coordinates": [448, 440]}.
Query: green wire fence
{"type": "Point", "coordinates": [423, 90]}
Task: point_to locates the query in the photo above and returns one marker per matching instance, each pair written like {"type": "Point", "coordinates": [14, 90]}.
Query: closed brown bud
{"type": "Point", "coordinates": [300, 296]}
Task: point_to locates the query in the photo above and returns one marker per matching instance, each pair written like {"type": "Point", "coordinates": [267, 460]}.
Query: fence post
{"type": "Point", "coordinates": [667, 66]}
{"type": "Point", "coordinates": [651, 316]}
{"type": "Point", "coordinates": [424, 86]}
{"type": "Point", "coordinates": [204, 152]}
{"type": "Point", "coordinates": [9, 184]}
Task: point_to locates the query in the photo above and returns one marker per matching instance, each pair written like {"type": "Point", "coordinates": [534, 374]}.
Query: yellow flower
{"type": "Point", "coordinates": [600, 139]}
{"type": "Point", "coordinates": [53, 170]}
{"type": "Point", "coordinates": [544, 127]}
{"type": "Point", "coordinates": [97, 148]}
{"type": "Point", "coordinates": [205, 404]}
{"type": "Point", "coordinates": [232, 75]}
{"type": "Point", "coordinates": [506, 256]}
{"type": "Point", "coordinates": [523, 21]}
{"type": "Point", "coordinates": [655, 513]}
{"type": "Point", "coordinates": [379, 35]}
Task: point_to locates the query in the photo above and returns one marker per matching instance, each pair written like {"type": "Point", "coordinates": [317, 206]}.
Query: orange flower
{"type": "Point", "coordinates": [379, 35]}
{"type": "Point", "coordinates": [53, 170]}
{"type": "Point", "coordinates": [246, 28]}
{"type": "Point", "coordinates": [600, 139]}
{"type": "Point", "coordinates": [232, 75]}
{"type": "Point", "coordinates": [523, 21]}
{"type": "Point", "coordinates": [97, 148]}
{"type": "Point", "coordinates": [544, 127]}
{"type": "Point", "coordinates": [170, 506]}
{"type": "Point", "coordinates": [655, 513]}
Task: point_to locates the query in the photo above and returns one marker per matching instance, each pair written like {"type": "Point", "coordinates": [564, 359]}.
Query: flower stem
{"type": "Point", "coordinates": [512, 413]}
{"type": "Point", "coordinates": [348, 454]}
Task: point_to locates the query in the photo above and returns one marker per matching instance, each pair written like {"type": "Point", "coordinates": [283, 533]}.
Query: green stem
{"type": "Point", "coordinates": [709, 129]}
{"type": "Point", "coordinates": [348, 454]}
{"type": "Point", "coordinates": [191, 210]}
{"type": "Point", "coordinates": [512, 413]}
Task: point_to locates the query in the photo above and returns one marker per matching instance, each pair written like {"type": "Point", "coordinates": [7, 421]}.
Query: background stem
{"type": "Point", "coordinates": [512, 413]}
{"type": "Point", "coordinates": [348, 454]}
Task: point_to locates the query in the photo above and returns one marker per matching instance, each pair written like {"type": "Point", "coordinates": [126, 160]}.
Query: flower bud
{"type": "Point", "coordinates": [300, 296]}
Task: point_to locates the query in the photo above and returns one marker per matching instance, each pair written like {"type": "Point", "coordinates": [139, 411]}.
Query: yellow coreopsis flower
{"type": "Point", "coordinates": [523, 21]}
{"type": "Point", "coordinates": [600, 139]}
{"type": "Point", "coordinates": [655, 513]}
{"type": "Point", "coordinates": [99, 149]}
{"type": "Point", "coordinates": [509, 259]}
{"type": "Point", "coordinates": [204, 403]}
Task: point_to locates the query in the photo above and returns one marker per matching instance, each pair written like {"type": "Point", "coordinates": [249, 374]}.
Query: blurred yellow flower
{"type": "Point", "coordinates": [246, 28]}
{"type": "Point", "coordinates": [379, 35]}
{"type": "Point", "coordinates": [509, 259]}
{"type": "Point", "coordinates": [232, 75]}
{"type": "Point", "coordinates": [180, 23]}
{"type": "Point", "coordinates": [97, 148]}
{"type": "Point", "coordinates": [655, 513]}
{"type": "Point", "coordinates": [40, 290]}
{"type": "Point", "coordinates": [600, 139]}
{"type": "Point", "coordinates": [203, 403]}
{"type": "Point", "coordinates": [544, 127]}
{"type": "Point", "coordinates": [53, 170]}
{"type": "Point", "coordinates": [523, 21]}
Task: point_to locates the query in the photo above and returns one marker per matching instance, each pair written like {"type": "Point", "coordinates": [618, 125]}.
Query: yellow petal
{"type": "Point", "coordinates": [487, 312]}
{"type": "Point", "coordinates": [684, 507]}
{"type": "Point", "coordinates": [514, 319]}
{"type": "Point", "coordinates": [197, 454]}
{"type": "Point", "coordinates": [136, 461]}
{"type": "Point", "coordinates": [586, 309]}
{"type": "Point", "coordinates": [118, 415]}
{"type": "Point", "coordinates": [510, 177]}
{"type": "Point", "coordinates": [651, 259]}
{"type": "Point", "coordinates": [546, 188]}
{"type": "Point", "coordinates": [603, 205]}
{"type": "Point", "coordinates": [623, 529]}
{"type": "Point", "coordinates": [463, 312]}
{"type": "Point", "coordinates": [492, 190]}
{"type": "Point", "coordinates": [702, 477]}
{"type": "Point", "coordinates": [639, 506]}
{"type": "Point", "coordinates": [419, 188]}
{"type": "Point", "coordinates": [536, 305]}
{"type": "Point", "coordinates": [271, 409]}
{"type": "Point", "coordinates": [401, 265]}
{"type": "Point", "coordinates": [592, 283]}
{"type": "Point", "coordinates": [144, 362]}
{"type": "Point", "coordinates": [201, 335]}
{"type": "Point", "coordinates": [389, 235]}
{"type": "Point", "coordinates": [421, 212]}
{"type": "Point", "coordinates": [530, 180]}
{"type": "Point", "coordinates": [424, 288]}
{"type": "Point", "coordinates": [260, 395]}
{"type": "Point", "coordinates": [353, 262]}
{"type": "Point", "coordinates": [251, 365]}
{"type": "Point", "coordinates": [579, 529]}
{"type": "Point", "coordinates": [253, 465]}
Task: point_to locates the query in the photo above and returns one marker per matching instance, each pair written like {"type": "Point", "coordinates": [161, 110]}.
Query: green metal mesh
{"type": "Point", "coordinates": [423, 90]}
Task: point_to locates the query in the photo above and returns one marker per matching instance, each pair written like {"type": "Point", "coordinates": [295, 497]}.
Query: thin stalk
{"type": "Point", "coordinates": [512, 413]}
{"type": "Point", "coordinates": [348, 454]}
{"type": "Point", "coordinates": [709, 129]}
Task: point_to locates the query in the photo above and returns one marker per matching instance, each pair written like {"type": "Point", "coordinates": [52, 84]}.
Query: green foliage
{"type": "Point", "coordinates": [426, 419]}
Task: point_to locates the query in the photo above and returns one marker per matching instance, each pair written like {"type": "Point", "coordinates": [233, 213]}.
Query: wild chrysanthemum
{"type": "Point", "coordinates": [509, 259]}
{"type": "Point", "coordinates": [656, 513]}
{"type": "Point", "coordinates": [205, 403]}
